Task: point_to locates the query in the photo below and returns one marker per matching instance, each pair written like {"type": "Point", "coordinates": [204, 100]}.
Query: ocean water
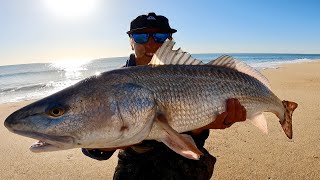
{"type": "Point", "coordinates": [33, 81]}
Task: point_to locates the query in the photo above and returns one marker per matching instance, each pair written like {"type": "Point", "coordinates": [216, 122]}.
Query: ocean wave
{"type": "Point", "coordinates": [18, 68]}
{"type": "Point", "coordinates": [277, 64]}
{"type": "Point", "coordinates": [302, 60]}
{"type": "Point", "coordinates": [35, 69]}
{"type": "Point", "coordinates": [23, 88]}
{"type": "Point", "coordinates": [32, 92]}
{"type": "Point", "coordinates": [40, 86]}
{"type": "Point", "coordinates": [27, 73]}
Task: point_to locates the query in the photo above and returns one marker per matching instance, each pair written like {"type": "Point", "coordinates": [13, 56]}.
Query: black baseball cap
{"type": "Point", "coordinates": [150, 21]}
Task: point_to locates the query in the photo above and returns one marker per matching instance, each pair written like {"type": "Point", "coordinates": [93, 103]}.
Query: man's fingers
{"type": "Point", "coordinates": [236, 112]}
{"type": "Point", "coordinates": [221, 118]}
{"type": "Point", "coordinates": [238, 109]}
{"type": "Point", "coordinates": [230, 110]}
{"type": "Point", "coordinates": [244, 114]}
{"type": "Point", "coordinates": [220, 122]}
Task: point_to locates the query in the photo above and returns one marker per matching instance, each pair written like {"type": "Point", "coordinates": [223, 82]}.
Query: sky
{"type": "Point", "coordinates": [37, 31]}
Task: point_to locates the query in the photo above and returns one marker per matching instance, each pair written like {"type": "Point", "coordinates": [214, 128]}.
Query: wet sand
{"type": "Point", "coordinates": [243, 152]}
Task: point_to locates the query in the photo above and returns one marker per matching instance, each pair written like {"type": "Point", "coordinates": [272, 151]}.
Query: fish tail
{"type": "Point", "coordinates": [287, 122]}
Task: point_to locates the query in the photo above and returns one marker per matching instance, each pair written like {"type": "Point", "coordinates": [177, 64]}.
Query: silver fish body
{"type": "Point", "coordinates": [118, 108]}
{"type": "Point", "coordinates": [175, 93]}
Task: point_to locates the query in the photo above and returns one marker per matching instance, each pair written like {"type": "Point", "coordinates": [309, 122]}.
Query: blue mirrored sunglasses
{"type": "Point", "coordinates": [144, 37]}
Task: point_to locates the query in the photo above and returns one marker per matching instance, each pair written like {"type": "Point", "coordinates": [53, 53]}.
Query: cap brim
{"type": "Point", "coordinates": [139, 29]}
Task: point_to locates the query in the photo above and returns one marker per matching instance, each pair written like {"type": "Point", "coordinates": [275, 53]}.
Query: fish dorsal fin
{"type": "Point", "coordinates": [166, 55]}
{"type": "Point", "coordinates": [229, 62]}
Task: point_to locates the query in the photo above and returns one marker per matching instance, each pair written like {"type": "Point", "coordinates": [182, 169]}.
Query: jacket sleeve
{"type": "Point", "coordinates": [97, 154]}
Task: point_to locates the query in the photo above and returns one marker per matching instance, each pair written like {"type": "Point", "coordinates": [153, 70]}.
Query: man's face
{"type": "Point", "coordinates": [145, 51]}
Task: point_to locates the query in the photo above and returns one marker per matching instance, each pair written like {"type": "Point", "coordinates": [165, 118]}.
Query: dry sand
{"type": "Point", "coordinates": [243, 152]}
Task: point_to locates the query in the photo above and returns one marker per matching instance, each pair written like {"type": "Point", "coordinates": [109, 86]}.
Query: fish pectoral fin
{"type": "Point", "coordinates": [182, 144]}
{"type": "Point", "coordinates": [260, 122]}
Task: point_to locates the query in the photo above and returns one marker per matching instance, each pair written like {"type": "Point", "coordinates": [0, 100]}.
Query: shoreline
{"type": "Point", "coordinates": [242, 151]}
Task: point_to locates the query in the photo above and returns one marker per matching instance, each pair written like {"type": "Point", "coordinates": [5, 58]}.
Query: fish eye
{"type": "Point", "coordinates": [56, 112]}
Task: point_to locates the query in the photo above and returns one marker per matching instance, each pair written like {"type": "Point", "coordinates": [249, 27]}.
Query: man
{"type": "Point", "coordinates": [152, 159]}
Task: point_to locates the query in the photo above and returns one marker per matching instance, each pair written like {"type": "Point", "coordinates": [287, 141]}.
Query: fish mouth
{"type": "Point", "coordinates": [47, 143]}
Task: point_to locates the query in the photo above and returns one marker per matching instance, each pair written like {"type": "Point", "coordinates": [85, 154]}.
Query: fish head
{"type": "Point", "coordinates": [74, 117]}
{"type": "Point", "coordinates": [98, 112]}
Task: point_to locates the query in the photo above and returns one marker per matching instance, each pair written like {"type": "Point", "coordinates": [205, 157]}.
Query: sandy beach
{"type": "Point", "coordinates": [242, 151]}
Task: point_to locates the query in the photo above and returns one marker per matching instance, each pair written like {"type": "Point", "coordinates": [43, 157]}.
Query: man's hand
{"type": "Point", "coordinates": [235, 112]}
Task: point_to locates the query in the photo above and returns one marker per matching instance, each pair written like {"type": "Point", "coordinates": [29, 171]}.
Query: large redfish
{"type": "Point", "coordinates": [175, 93]}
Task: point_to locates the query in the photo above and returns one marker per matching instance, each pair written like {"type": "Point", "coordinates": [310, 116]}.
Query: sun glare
{"type": "Point", "coordinates": [72, 67]}
{"type": "Point", "coordinates": [71, 9]}
{"type": "Point", "coordinates": [70, 64]}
